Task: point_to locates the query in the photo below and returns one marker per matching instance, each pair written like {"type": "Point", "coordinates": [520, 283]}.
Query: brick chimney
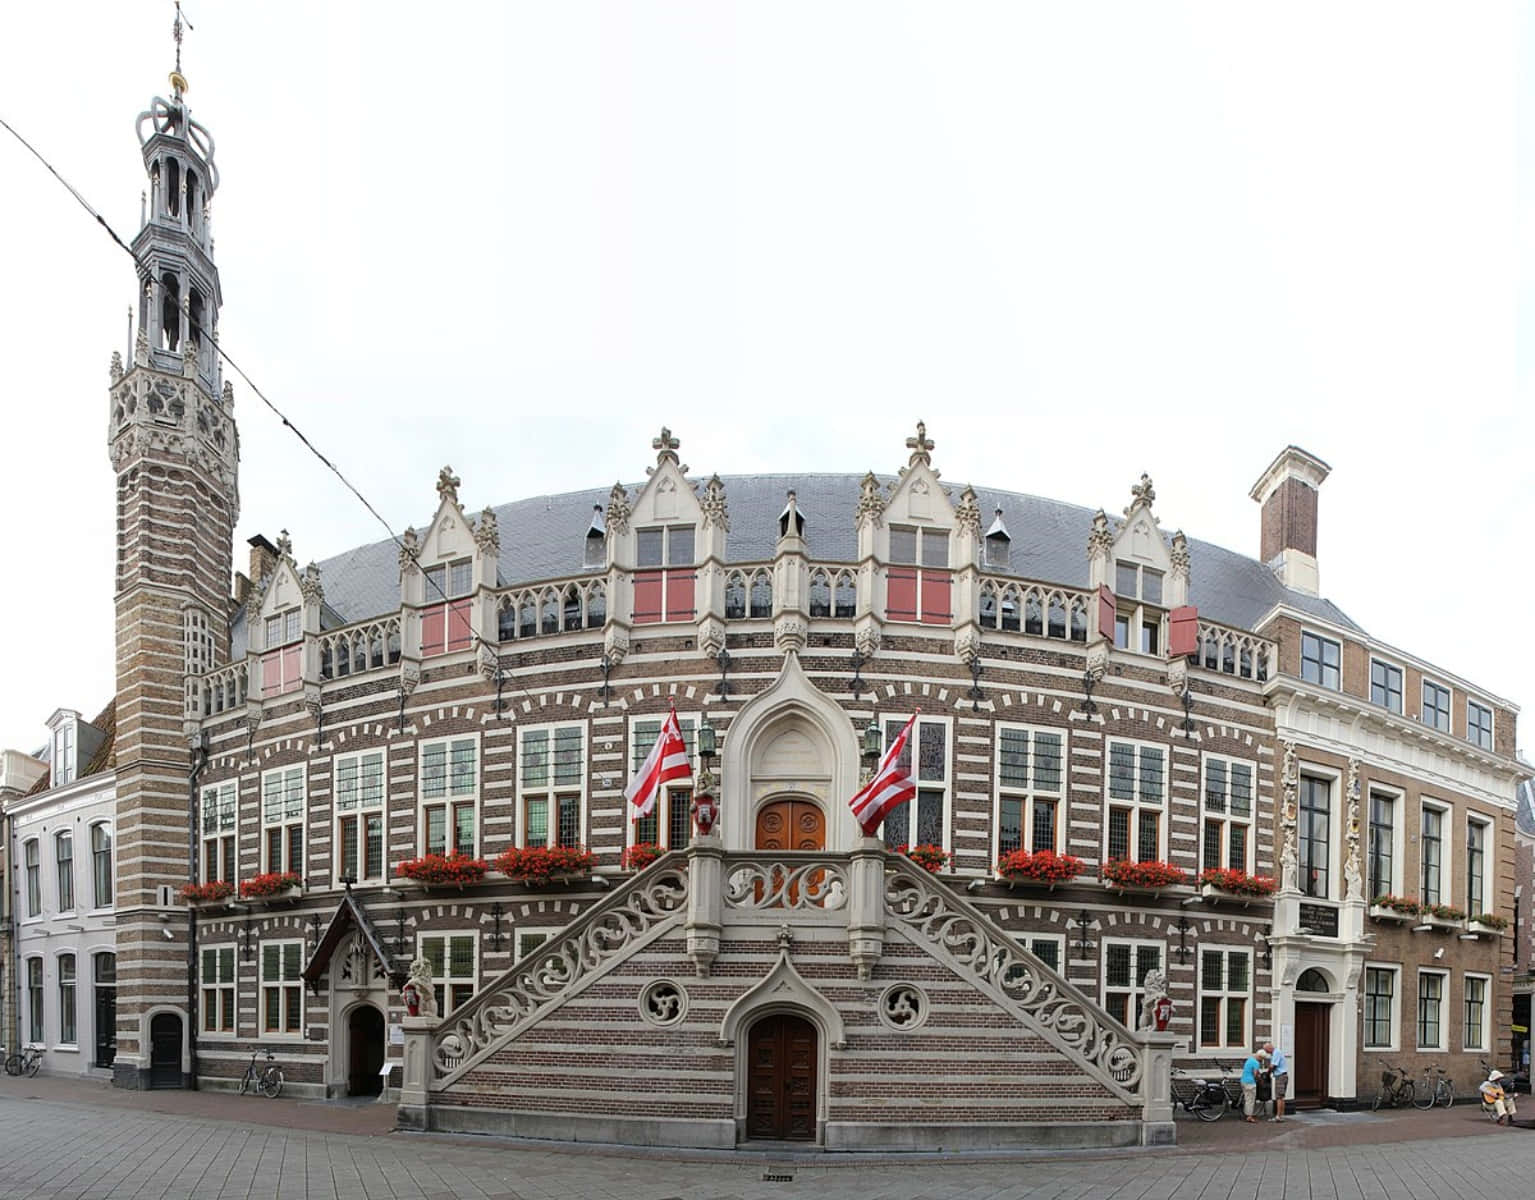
{"type": "Point", "coordinates": [1287, 491]}
{"type": "Point", "coordinates": [263, 559]}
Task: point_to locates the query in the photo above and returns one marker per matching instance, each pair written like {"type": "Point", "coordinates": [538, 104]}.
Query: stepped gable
{"type": "Point", "coordinates": [547, 535]}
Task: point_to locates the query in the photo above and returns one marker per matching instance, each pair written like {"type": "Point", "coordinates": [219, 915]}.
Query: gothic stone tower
{"type": "Point", "coordinates": [175, 452]}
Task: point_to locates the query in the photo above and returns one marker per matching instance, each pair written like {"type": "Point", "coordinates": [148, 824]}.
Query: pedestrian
{"type": "Point", "coordinates": [1250, 1069]}
{"type": "Point", "coordinates": [1279, 1067]}
{"type": "Point", "coordinates": [1502, 1102]}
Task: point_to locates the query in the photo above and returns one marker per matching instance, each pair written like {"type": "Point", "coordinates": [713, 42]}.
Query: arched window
{"type": "Point", "coordinates": [64, 862]}
{"type": "Point", "coordinates": [1033, 615]}
{"type": "Point", "coordinates": [527, 622]}
{"type": "Point", "coordinates": [359, 653]}
{"type": "Point", "coordinates": [1312, 980]}
{"type": "Point", "coordinates": [1057, 626]}
{"type": "Point", "coordinates": [596, 606]}
{"type": "Point", "coordinates": [170, 311]}
{"type": "Point", "coordinates": [192, 209]}
{"type": "Point", "coordinates": [762, 595]}
{"type": "Point", "coordinates": [173, 187]}
{"type": "Point", "coordinates": [550, 609]}
{"type": "Point", "coordinates": [988, 615]}
{"type": "Point", "coordinates": [101, 864]}
{"type": "Point", "coordinates": [1078, 621]}
{"type": "Point", "coordinates": [820, 595]}
{"type": "Point", "coordinates": [735, 597]}
{"type": "Point", "coordinates": [572, 609]}
{"type": "Point", "coordinates": [67, 1024]}
{"type": "Point", "coordinates": [1010, 609]}
{"type": "Point", "coordinates": [847, 596]}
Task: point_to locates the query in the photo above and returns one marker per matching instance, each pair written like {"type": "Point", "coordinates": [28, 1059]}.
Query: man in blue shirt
{"type": "Point", "coordinates": [1250, 1070]}
{"type": "Point", "coordinates": [1279, 1067]}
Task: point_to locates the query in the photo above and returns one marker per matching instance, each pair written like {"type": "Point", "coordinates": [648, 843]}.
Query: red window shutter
{"type": "Point", "coordinates": [1183, 631]}
{"type": "Point", "coordinates": [459, 636]}
{"type": "Point", "coordinates": [679, 595]}
{"type": "Point", "coordinates": [901, 594]}
{"type": "Point", "coordinates": [290, 666]}
{"type": "Point", "coordinates": [647, 597]}
{"type": "Point", "coordinates": [937, 608]}
{"type": "Point", "coordinates": [271, 673]}
{"type": "Point", "coordinates": [1107, 611]}
{"type": "Point", "coordinates": [433, 628]}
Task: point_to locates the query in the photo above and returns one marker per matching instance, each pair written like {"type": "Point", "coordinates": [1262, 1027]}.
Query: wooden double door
{"type": "Point", "coordinates": [781, 1079]}
{"type": "Point", "coordinates": [791, 825]}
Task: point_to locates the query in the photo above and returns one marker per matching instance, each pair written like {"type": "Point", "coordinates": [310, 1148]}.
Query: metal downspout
{"type": "Point", "coordinates": [199, 761]}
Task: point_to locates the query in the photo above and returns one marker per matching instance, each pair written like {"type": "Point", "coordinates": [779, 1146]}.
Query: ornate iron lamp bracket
{"type": "Point", "coordinates": [722, 659]}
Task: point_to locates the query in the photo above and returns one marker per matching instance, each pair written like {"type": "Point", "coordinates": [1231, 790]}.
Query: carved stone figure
{"type": "Point", "coordinates": [1142, 494]}
{"type": "Point", "coordinates": [420, 978]}
{"type": "Point", "coordinates": [1155, 987]}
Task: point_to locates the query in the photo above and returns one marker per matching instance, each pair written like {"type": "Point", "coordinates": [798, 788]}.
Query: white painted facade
{"type": "Point", "coordinates": [62, 847]}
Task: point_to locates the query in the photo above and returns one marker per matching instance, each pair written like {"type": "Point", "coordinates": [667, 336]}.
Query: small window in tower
{"type": "Point", "coordinates": [192, 198]}
{"type": "Point", "coordinates": [173, 188]}
{"type": "Point", "coordinates": [170, 311]}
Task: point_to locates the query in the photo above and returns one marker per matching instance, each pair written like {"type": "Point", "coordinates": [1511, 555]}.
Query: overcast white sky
{"type": "Point", "coordinates": [1080, 241]}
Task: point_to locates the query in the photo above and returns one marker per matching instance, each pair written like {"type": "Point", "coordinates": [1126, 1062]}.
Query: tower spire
{"type": "Point", "coordinates": [179, 82]}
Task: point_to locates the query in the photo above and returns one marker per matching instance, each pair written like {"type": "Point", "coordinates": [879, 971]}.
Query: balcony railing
{"type": "Point", "coordinates": [1235, 652]}
{"type": "Point", "coordinates": [1037, 609]}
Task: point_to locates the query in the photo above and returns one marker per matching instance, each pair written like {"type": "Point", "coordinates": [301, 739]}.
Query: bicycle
{"type": "Point", "coordinates": [1204, 1098]}
{"type": "Point", "coordinates": [1395, 1087]}
{"type": "Point", "coordinates": [27, 1060]}
{"type": "Point", "coordinates": [268, 1082]}
{"type": "Point", "coordinates": [1440, 1091]}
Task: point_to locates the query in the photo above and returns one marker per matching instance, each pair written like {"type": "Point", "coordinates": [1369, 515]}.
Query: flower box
{"type": "Point", "coordinates": [1043, 868]}
{"type": "Point", "coordinates": [1487, 925]}
{"type": "Point", "coordinates": [1217, 883]}
{"type": "Point", "coordinates": [452, 869]}
{"type": "Point", "coordinates": [206, 893]}
{"type": "Point", "coordinates": [1384, 912]}
{"type": "Point", "coordinates": [539, 865]}
{"type": "Point", "coordinates": [1126, 876]}
{"type": "Point", "coordinates": [931, 859]}
{"type": "Point", "coordinates": [1442, 916]}
{"type": "Point", "coordinates": [270, 886]}
{"type": "Point", "coordinates": [640, 855]}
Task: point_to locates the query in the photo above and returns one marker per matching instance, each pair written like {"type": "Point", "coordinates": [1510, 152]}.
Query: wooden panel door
{"type": "Point", "coordinates": [791, 825]}
{"type": "Point", "coordinates": [781, 1079]}
{"type": "Point", "coordinates": [1310, 1065]}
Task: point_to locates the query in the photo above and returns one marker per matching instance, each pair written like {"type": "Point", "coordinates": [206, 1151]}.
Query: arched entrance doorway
{"type": "Point", "coordinates": [781, 1059]}
{"type": "Point", "coordinates": [1313, 1035]}
{"type": "Point", "coordinates": [791, 825]}
{"type": "Point", "coordinates": [165, 1051]}
{"type": "Point", "coordinates": [365, 1051]}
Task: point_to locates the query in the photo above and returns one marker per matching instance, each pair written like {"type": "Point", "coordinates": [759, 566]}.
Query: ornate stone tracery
{"type": "Point", "coordinates": [716, 511]}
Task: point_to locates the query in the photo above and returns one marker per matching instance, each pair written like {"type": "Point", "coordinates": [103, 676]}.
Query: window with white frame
{"type": "Point", "coordinates": [101, 864]}
{"type": "Point", "coordinates": [1314, 836]}
{"type": "Point", "coordinates": [1383, 833]}
{"type": "Point", "coordinates": [530, 940]}
{"type": "Point", "coordinates": [281, 665]}
{"type": "Point", "coordinates": [1049, 948]}
{"type": "Point", "coordinates": [1479, 724]}
{"type": "Point", "coordinates": [68, 1017]}
{"type": "Point", "coordinates": [1225, 985]}
{"type": "Point", "coordinates": [359, 790]}
{"type": "Point", "coordinates": [1137, 627]}
{"type": "Point", "coordinates": [1031, 789]}
{"type": "Point", "coordinates": [218, 989]}
{"type": "Point", "coordinates": [1321, 661]}
{"type": "Point", "coordinates": [282, 988]}
{"type": "Point", "coordinates": [665, 577]}
{"type": "Point", "coordinates": [1125, 964]}
{"type": "Point", "coordinates": [921, 821]}
{"type": "Point", "coordinates": [219, 804]}
{"type": "Point", "coordinates": [918, 583]}
{"type": "Point", "coordinates": [669, 823]}
{"type": "Point", "coordinates": [1434, 870]}
{"type": "Point", "coordinates": [64, 869]}
{"type": "Point", "coordinates": [1436, 705]}
{"type": "Point", "coordinates": [445, 619]}
{"type": "Point", "coordinates": [1478, 877]}
{"type": "Point", "coordinates": [551, 784]}
{"type": "Point", "coordinates": [1227, 841]}
{"type": "Point", "coordinates": [1477, 988]}
{"type": "Point", "coordinates": [452, 960]}
{"type": "Point", "coordinates": [63, 764]}
{"type": "Point", "coordinates": [35, 1032]}
{"type": "Point", "coordinates": [282, 820]}
{"type": "Point", "coordinates": [1137, 802]}
{"type": "Point", "coordinates": [32, 855]}
{"type": "Point", "coordinates": [450, 794]}
{"type": "Point", "coordinates": [1381, 985]}
{"type": "Point", "coordinates": [1386, 685]}
{"type": "Point", "coordinates": [1432, 986]}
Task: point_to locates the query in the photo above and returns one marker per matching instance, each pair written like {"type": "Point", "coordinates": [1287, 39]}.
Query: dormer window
{"type": "Point", "coordinates": [280, 665]}
{"type": "Point", "coordinates": [997, 545]}
{"type": "Point", "coordinates": [664, 575]}
{"type": "Point", "coordinates": [445, 619]}
{"type": "Point", "coordinates": [64, 753]}
{"type": "Point", "coordinates": [918, 582]}
{"type": "Point", "coordinates": [1137, 627]}
{"type": "Point", "coordinates": [1136, 582]}
{"type": "Point", "coordinates": [595, 556]}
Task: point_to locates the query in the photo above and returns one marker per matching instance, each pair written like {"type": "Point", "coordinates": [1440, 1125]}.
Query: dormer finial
{"type": "Point", "coordinates": [178, 81]}
{"type": "Point", "coordinates": [666, 446]}
{"type": "Point", "coordinates": [921, 447]}
{"type": "Point", "coordinates": [447, 485]}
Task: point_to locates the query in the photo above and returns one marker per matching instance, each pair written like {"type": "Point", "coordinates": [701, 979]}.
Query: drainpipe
{"type": "Point", "coordinates": [12, 1030]}
{"type": "Point", "coordinates": [199, 761]}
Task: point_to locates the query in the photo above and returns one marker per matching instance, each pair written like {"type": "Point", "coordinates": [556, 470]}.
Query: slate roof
{"type": "Point", "coordinates": [543, 537]}
{"type": "Point", "coordinates": [103, 759]}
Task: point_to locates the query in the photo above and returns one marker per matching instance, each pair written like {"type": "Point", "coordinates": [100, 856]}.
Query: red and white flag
{"type": "Point", "coordinates": [891, 786]}
{"type": "Point", "coordinates": [667, 760]}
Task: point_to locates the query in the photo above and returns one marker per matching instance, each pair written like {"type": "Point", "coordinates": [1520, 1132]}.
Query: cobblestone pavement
{"type": "Point", "coordinates": [60, 1139]}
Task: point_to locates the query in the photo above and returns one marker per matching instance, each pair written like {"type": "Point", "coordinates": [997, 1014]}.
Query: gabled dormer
{"type": "Point", "coordinates": [1138, 576]}
{"type": "Point", "coordinates": [286, 608]}
{"type": "Point", "coordinates": [64, 747]}
{"type": "Point", "coordinates": [666, 538]}
{"type": "Point", "coordinates": [916, 541]}
{"type": "Point", "coordinates": [444, 570]}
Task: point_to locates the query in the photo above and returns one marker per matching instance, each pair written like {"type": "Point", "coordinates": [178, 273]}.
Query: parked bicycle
{"type": "Point", "coordinates": [1204, 1098]}
{"type": "Point", "coordinates": [1432, 1091]}
{"type": "Point", "coordinates": [267, 1082]}
{"type": "Point", "coordinates": [1395, 1087]}
{"type": "Point", "coordinates": [27, 1060]}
